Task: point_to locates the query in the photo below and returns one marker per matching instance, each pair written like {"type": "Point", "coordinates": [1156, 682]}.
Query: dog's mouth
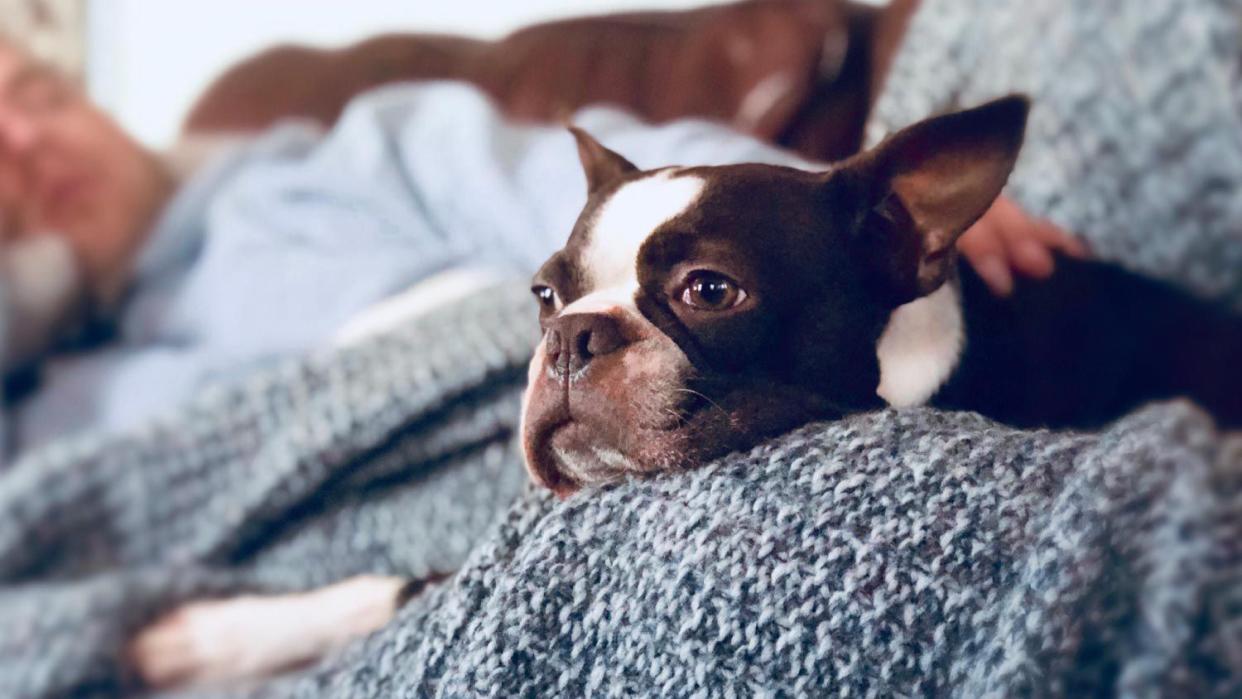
{"type": "Point", "coordinates": [572, 455]}
{"type": "Point", "coordinates": [566, 450]}
{"type": "Point", "coordinates": [546, 451]}
{"type": "Point", "coordinates": [639, 411]}
{"type": "Point", "coordinates": [565, 453]}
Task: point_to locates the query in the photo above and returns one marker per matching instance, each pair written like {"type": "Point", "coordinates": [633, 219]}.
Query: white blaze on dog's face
{"type": "Point", "coordinates": [627, 218]}
{"type": "Point", "coordinates": [603, 316]}
{"type": "Point", "coordinates": [696, 311]}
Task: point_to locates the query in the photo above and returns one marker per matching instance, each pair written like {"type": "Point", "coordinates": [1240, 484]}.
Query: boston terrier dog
{"type": "Point", "coordinates": [697, 311]}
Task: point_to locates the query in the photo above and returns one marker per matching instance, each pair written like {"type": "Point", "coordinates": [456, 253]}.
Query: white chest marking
{"type": "Point", "coordinates": [920, 347]}
{"type": "Point", "coordinates": [628, 218]}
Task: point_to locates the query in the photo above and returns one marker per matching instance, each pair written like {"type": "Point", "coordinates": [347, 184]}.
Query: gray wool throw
{"type": "Point", "coordinates": [899, 553]}
{"type": "Point", "coordinates": [1134, 141]}
{"type": "Point", "coordinates": [392, 458]}
{"type": "Point", "coordinates": [891, 554]}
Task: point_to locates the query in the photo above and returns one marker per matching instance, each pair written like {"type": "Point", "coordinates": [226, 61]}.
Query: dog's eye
{"type": "Point", "coordinates": [709, 291]}
{"type": "Point", "coordinates": [547, 298]}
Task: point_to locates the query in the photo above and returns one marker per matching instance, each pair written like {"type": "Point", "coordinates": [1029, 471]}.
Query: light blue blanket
{"type": "Point", "coordinates": [268, 251]}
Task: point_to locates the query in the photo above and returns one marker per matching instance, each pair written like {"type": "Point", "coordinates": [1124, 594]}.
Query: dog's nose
{"type": "Point", "coordinates": [574, 340]}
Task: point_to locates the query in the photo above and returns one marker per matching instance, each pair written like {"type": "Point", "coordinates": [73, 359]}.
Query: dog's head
{"type": "Point", "coordinates": [697, 311]}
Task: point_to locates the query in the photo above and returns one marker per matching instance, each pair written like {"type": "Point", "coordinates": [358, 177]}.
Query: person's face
{"type": "Point", "coordinates": [66, 168]}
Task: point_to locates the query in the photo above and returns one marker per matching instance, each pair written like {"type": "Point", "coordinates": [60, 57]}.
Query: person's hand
{"type": "Point", "coordinates": [1006, 240]}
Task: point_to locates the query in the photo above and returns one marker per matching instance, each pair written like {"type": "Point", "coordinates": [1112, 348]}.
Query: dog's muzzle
{"type": "Point", "coordinates": [603, 399]}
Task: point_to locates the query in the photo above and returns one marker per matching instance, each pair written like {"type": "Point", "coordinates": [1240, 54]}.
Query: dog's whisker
{"type": "Point", "coordinates": [714, 404]}
{"type": "Point", "coordinates": [679, 417]}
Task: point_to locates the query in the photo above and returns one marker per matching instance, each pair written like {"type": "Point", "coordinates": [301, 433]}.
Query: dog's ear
{"type": "Point", "coordinates": [601, 165]}
{"type": "Point", "coordinates": [919, 190]}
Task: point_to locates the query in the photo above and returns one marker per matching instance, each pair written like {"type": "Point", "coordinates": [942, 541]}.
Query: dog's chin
{"type": "Point", "coordinates": [570, 456]}
{"type": "Point", "coordinates": [567, 455]}
{"type": "Point", "coordinates": [636, 429]}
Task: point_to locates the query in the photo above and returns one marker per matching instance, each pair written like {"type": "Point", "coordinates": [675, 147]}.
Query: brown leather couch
{"type": "Point", "coordinates": [801, 73]}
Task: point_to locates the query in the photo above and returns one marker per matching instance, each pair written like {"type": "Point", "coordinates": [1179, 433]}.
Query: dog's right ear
{"type": "Point", "coordinates": [920, 189]}
{"type": "Point", "coordinates": [602, 166]}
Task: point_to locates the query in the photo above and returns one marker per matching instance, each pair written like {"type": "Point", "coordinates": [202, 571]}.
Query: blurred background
{"type": "Point", "coordinates": [196, 88]}
{"type": "Point", "coordinates": [145, 61]}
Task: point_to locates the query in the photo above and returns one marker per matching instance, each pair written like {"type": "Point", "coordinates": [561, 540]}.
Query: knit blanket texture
{"type": "Point", "coordinates": [904, 552]}
{"type": "Point", "coordinates": [898, 553]}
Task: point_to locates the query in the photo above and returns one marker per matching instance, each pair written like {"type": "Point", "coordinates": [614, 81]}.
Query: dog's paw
{"type": "Point", "coordinates": [211, 643]}
{"type": "Point", "coordinates": [243, 638]}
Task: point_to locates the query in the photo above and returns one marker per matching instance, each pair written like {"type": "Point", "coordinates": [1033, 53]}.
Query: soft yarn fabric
{"type": "Point", "coordinates": [896, 553]}
{"type": "Point", "coordinates": [1135, 136]}
{"type": "Point", "coordinates": [392, 457]}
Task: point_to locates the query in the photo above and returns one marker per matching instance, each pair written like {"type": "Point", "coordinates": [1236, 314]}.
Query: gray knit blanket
{"type": "Point", "coordinates": [896, 553]}
{"type": "Point", "coordinates": [899, 553]}
{"type": "Point", "coordinates": [1134, 140]}
{"type": "Point", "coordinates": [393, 457]}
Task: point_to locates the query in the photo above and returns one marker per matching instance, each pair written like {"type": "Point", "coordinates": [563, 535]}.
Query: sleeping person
{"type": "Point", "coordinates": [131, 280]}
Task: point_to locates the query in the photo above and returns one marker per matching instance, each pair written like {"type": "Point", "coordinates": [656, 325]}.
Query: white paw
{"type": "Point", "coordinates": [243, 638]}
{"type": "Point", "coordinates": [211, 643]}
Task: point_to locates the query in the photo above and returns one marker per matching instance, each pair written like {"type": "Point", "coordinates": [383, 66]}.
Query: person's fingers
{"type": "Point", "coordinates": [1030, 258]}
{"type": "Point", "coordinates": [1057, 238]}
{"type": "Point", "coordinates": [995, 273]}
{"type": "Point", "coordinates": [1026, 253]}
{"type": "Point", "coordinates": [983, 248]}
{"type": "Point", "coordinates": [983, 238]}
{"type": "Point", "coordinates": [1031, 242]}
{"type": "Point", "coordinates": [1006, 241]}
{"type": "Point", "coordinates": [1027, 243]}
{"type": "Point", "coordinates": [1016, 224]}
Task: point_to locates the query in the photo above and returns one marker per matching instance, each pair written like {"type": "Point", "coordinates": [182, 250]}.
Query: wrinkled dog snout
{"type": "Point", "coordinates": [572, 341]}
